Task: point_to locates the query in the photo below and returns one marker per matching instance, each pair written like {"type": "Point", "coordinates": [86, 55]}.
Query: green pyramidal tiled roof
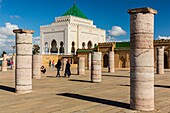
{"type": "Point", "coordinates": [75, 11]}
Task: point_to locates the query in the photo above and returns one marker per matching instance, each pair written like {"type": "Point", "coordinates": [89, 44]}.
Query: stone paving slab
{"type": "Point", "coordinates": [78, 95]}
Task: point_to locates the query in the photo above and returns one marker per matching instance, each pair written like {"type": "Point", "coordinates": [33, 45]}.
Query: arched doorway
{"type": "Point", "coordinates": [89, 45]}
{"type": "Point", "coordinates": [61, 47]}
{"type": "Point", "coordinates": [54, 48]}
{"type": "Point", "coordinates": [73, 48]}
{"type": "Point", "coordinates": [165, 61]}
{"type": "Point", "coordinates": [105, 60]}
{"type": "Point", "coordinates": [83, 45]}
{"type": "Point", "coordinates": [122, 62]}
{"type": "Point", "coordinates": [46, 47]}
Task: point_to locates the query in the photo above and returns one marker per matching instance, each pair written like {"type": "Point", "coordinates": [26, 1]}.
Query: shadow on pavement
{"type": "Point", "coordinates": [79, 80]}
{"type": "Point", "coordinates": [55, 77]}
{"type": "Point", "coordinates": [97, 100]}
{"type": "Point", "coordinates": [161, 86]}
{"type": "Point", "coordinates": [116, 76]}
{"type": "Point", "coordinates": [7, 88]}
{"type": "Point", "coordinates": [51, 76]}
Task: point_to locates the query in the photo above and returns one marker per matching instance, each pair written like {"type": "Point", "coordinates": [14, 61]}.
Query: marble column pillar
{"type": "Point", "coordinates": [160, 60]}
{"type": "Point", "coordinates": [142, 59]}
{"type": "Point", "coordinates": [96, 69]}
{"type": "Point", "coordinates": [49, 52]}
{"type": "Point", "coordinates": [127, 61]}
{"type": "Point", "coordinates": [37, 66]}
{"type": "Point", "coordinates": [89, 59]}
{"type": "Point", "coordinates": [4, 63]}
{"type": "Point", "coordinates": [14, 62]}
{"type": "Point", "coordinates": [111, 62]}
{"type": "Point", "coordinates": [23, 71]}
{"type": "Point", "coordinates": [81, 68]}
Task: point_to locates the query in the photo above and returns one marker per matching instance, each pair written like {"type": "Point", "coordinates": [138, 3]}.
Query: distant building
{"type": "Point", "coordinates": [70, 32]}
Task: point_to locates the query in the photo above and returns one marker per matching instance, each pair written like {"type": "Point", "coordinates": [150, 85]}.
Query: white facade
{"type": "Point", "coordinates": [69, 30]}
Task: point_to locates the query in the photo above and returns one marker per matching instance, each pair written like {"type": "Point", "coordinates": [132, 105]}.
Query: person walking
{"type": "Point", "coordinates": [67, 69]}
{"type": "Point", "coordinates": [53, 64]}
{"type": "Point", "coordinates": [58, 66]}
{"type": "Point", "coordinates": [49, 63]}
{"type": "Point", "coordinates": [11, 64]}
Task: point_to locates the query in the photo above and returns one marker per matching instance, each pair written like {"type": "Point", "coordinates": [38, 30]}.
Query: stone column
{"type": "Point", "coordinates": [81, 68]}
{"type": "Point", "coordinates": [23, 73]}
{"type": "Point", "coordinates": [127, 61]}
{"type": "Point", "coordinates": [14, 60]}
{"type": "Point", "coordinates": [43, 50]}
{"type": "Point", "coordinates": [4, 63]}
{"type": "Point", "coordinates": [160, 60]}
{"type": "Point", "coordinates": [89, 59]}
{"type": "Point", "coordinates": [96, 70]}
{"type": "Point", "coordinates": [36, 66]}
{"type": "Point", "coordinates": [49, 52]}
{"type": "Point", "coordinates": [168, 58]}
{"type": "Point", "coordinates": [142, 59]}
{"type": "Point", "coordinates": [111, 62]}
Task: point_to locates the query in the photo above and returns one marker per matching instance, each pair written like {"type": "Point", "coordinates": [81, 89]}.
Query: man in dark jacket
{"type": "Point", "coordinates": [67, 69]}
{"type": "Point", "coordinates": [58, 66]}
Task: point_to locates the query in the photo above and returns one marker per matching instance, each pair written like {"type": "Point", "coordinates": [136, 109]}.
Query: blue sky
{"type": "Point", "coordinates": [31, 14]}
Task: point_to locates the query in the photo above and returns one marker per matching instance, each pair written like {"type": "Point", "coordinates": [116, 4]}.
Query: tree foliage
{"type": "Point", "coordinates": [36, 49]}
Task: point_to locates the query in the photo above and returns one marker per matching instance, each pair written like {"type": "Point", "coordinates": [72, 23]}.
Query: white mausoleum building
{"type": "Point", "coordinates": [70, 32]}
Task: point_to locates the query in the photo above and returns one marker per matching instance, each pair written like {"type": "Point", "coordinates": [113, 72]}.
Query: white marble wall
{"type": "Point", "coordinates": [69, 29]}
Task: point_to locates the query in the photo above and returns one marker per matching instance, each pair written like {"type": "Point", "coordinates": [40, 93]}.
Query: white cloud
{"type": "Point", "coordinates": [2, 42]}
{"type": "Point", "coordinates": [10, 41]}
{"type": "Point", "coordinates": [3, 36]}
{"type": "Point", "coordinates": [116, 31]}
{"type": "Point", "coordinates": [163, 37]}
{"type": "Point", "coordinates": [8, 29]}
{"type": "Point", "coordinates": [7, 38]}
{"type": "Point", "coordinates": [15, 16]}
{"type": "Point", "coordinates": [109, 38]}
{"type": "Point", "coordinates": [36, 40]}
{"type": "Point", "coordinates": [113, 39]}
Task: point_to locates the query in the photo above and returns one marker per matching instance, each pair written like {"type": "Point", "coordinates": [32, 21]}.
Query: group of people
{"type": "Point", "coordinates": [58, 66]}
{"type": "Point", "coordinates": [51, 63]}
{"type": "Point", "coordinates": [67, 68]}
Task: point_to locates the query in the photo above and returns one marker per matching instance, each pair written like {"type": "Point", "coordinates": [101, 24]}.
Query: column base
{"type": "Point", "coordinates": [23, 92]}
{"type": "Point", "coordinates": [36, 77]}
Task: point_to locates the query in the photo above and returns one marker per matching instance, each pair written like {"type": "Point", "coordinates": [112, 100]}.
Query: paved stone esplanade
{"type": "Point", "coordinates": [142, 59]}
{"type": "Point", "coordinates": [23, 61]}
{"type": "Point", "coordinates": [96, 71]}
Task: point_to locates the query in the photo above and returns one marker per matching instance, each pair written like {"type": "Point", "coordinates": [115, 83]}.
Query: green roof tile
{"type": "Point", "coordinates": [84, 50]}
{"type": "Point", "coordinates": [75, 11]}
{"type": "Point", "coordinates": [122, 44]}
